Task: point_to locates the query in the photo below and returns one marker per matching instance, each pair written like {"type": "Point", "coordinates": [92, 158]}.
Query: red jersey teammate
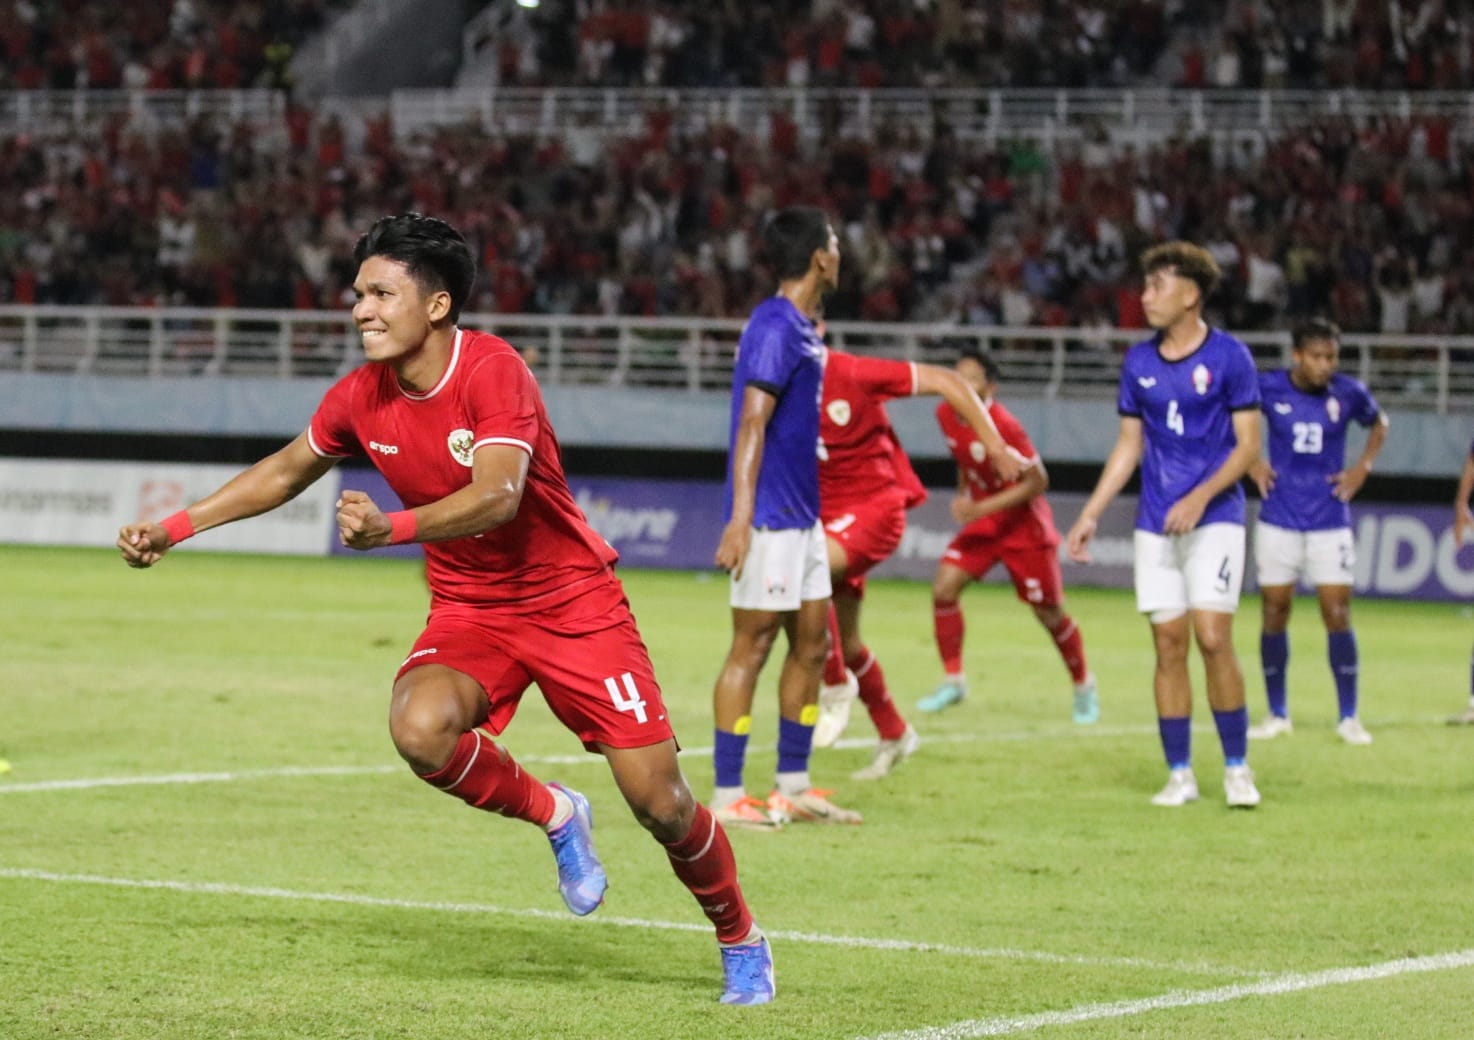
{"type": "Point", "coordinates": [522, 589]}
{"type": "Point", "coordinates": [1006, 521]}
{"type": "Point", "coordinates": [866, 484]}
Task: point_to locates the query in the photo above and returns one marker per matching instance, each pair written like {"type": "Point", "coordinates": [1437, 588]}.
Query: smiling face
{"type": "Point", "coordinates": [393, 313]}
{"type": "Point", "coordinates": [1167, 297]}
{"type": "Point", "coordinates": [1314, 362]}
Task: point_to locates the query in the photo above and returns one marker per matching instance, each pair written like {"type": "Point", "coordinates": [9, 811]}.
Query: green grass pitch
{"type": "Point", "coordinates": [207, 833]}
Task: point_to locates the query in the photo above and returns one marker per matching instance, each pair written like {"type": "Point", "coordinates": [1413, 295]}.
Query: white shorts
{"type": "Point", "coordinates": [783, 569]}
{"type": "Point", "coordinates": [1200, 570]}
{"type": "Point", "coordinates": [1282, 556]}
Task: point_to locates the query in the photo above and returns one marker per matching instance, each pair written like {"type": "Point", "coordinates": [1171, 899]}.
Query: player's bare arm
{"type": "Point", "coordinates": [498, 477]}
{"type": "Point", "coordinates": [1033, 483]}
{"type": "Point", "coordinates": [1263, 476]}
{"type": "Point", "coordinates": [1188, 510]}
{"type": "Point", "coordinates": [747, 459]}
{"type": "Point", "coordinates": [1119, 465]}
{"type": "Point", "coordinates": [1463, 518]}
{"type": "Point", "coordinates": [952, 388]}
{"type": "Point", "coordinates": [1350, 480]}
{"type": "Point", "coordinates": [275, 480]}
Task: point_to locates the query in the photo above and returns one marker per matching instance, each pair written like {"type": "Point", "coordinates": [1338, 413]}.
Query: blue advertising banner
{"type": "Point", "coordinates": [1402, 550]}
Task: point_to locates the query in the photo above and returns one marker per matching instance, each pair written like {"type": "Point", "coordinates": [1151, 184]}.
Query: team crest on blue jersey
{"type": "Point", "coordinates": [838, 412]}
{"type": "Point", "coordinates": [1333, 409]}
{"type": "Point", "coordinates": [1202, 378]}
{"type": "Point", "coordinates": [460, 443]}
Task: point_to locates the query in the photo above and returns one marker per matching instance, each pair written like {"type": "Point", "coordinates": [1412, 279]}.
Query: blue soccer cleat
{"type": "Point", "coordinates": [1087, 703]}
{"type": "Point", "coordinates": [950, 692]}
{"type": "Point", "coordinates": [749, 973]}
{"type": "Point", "coordinates": [581, 878]}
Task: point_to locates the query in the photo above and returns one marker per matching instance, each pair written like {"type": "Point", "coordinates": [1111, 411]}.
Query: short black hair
{"type": "Point", "coordinates": [435, 254]}
{"type": "Point", "coordinates": [991, 372]}
{"type": "Point", "coordinates": [791, 237]}
{"type": "Point", "coordinates": [1314, 328]}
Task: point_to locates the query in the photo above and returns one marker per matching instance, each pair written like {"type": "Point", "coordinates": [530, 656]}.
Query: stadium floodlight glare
{"type": "Point", "coordinates": [527, 3]}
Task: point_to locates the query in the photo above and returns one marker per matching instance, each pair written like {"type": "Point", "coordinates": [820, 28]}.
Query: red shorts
{"type": "Point", "coordinates": [1033, 568]}
{"type": "Point", "coordinates": [586, 655]}
{"type": "Point", "coordinates": [869, 534]}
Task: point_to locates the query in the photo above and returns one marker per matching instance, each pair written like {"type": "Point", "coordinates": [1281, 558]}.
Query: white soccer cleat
{"type": "Point", "coordinates": [1272, 726]}
{"type": "Point", "coordinates": [811, 806]}
{"type": "Point", "coordinates": [889, 754]}
{"type": "Point", "coordinates": [1182, 787]}
{"type": "Point", "coordinates": [1352, 731]}
{"type": "Point", "coordinates": [1239, 789]}
{"type": "Point", "coordinates": [1463, 718]}
{"type": "Point", "coordinates": [834, 709]}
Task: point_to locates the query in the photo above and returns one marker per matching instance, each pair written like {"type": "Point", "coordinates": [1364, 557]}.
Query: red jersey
{"type": "Point", "coordinates": [1029, 524]}
{"type": "Point", "coordinates": [861, 458]}
{"type": "Point", "coordinates": [423, 444]}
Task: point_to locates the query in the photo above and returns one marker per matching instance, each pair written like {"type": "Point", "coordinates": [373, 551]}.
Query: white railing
{"type": "Point", "coordinates": [972, 114]}
{"type": "Point", "coordinates": [31, 110]}
{"type": "Point", "coordinates": [687, 355]}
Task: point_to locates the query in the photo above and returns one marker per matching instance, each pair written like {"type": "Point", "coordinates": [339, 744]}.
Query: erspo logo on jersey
{"type": "Point", "coordinates": [460, 443]}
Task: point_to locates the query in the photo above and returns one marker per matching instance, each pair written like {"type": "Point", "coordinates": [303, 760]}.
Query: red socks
{"type": "Point", "coordinates": [704, 862]}
{"type": "Point", "coordinates": [1071, 647]}
{"type": "Point", "coordinates": [876, 698]}
{"type": "Point", "coordinates": [485, 776]}
{"type": "Point", "coordinates": [948, 624]}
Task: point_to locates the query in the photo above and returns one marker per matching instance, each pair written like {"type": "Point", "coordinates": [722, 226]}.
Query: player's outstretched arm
{"type": "Point", "coordinates": [934, 380]}
{"type": "Point", "coordinates": [1119, 466]}
{"type": "Point", "coordinates": [276, 479]}
{"type": "Point", "coordinates": [1350, 480]}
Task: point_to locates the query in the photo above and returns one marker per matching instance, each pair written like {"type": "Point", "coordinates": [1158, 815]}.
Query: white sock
{"type": "Point", "coordinates": [721, 797]}
{"type": "Point", "coordinates": [562, 810]}
{"type": "Point", "coordinates": [790, 784]}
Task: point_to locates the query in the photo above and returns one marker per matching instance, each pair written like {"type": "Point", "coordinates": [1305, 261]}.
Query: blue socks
{"type": "Point", "coordinates": [1233, 734]}
{"type": "Point", "coordinates": [729, 752]}
{"type": "Point", "coordinates": [1274, 657]}
{"type": "Point", "coordinates": [1341, 649]}
{"type": "Point", "coordinates": [794, 742]}
{"type": "Point", "coordinates": [1177, 740]}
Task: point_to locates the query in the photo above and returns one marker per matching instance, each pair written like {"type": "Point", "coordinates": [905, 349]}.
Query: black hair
{"type": "Point", "coordinates": [435, 254]}
{"type": "Point", "coordinates": [991, 372]}
{"type": "Point", "coordinates": [791, 237]}
{"type": "Point", "coordinates": [1315, 328]}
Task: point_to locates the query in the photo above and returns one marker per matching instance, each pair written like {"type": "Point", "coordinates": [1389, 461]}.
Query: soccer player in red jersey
{"type": "Point", "coordinates": [866, 484]}
{"type": "Point", "coordinates": [1005, 521]}
{"type": "Point", "coordinates": [522, 588]}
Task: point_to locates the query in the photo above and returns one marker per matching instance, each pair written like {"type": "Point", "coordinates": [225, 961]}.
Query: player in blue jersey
{"type": "Point", "coordinates": [1463, 524]}
{"type": "Point", "coordinates": [1189, 403]}
{"type": "Point", "coordinates": [773, 543]}
{"type": "Point", "coordinates": [1304, 527]}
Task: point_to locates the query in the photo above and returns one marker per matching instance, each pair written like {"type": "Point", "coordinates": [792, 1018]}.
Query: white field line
{"type": "Point", "coordinates": [1268, 987]}
{"type": "Point", "coordinates": [231, 776]}
{"type": "Point", "coordinates": [846, 941]}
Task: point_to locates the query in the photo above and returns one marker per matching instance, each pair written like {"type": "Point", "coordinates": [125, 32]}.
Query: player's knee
{"type": "Point", "coordinates": [424, 731]}
{"type": "Point", "coordinates": [666, 809]}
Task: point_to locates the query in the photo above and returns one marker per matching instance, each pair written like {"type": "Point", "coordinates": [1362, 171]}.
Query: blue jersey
{"type": "Point", "coordinates": [1307, 448]}
{"type": "Point", "coordinates": [781, 353]}
{"type": "Point", "coordinates": [1186, 410]}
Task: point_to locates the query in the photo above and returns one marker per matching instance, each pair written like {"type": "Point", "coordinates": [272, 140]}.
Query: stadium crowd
{"type": "Point", "coordinates": [1367, 44]}
{"type": "Point", "coordinates": [1359, 219]}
